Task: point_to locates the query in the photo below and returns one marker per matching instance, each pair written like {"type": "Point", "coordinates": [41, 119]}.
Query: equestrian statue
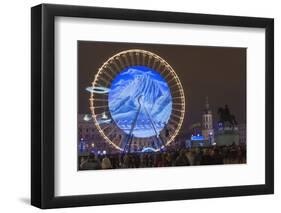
{"type": "Point", "coordinates": [226, 117]}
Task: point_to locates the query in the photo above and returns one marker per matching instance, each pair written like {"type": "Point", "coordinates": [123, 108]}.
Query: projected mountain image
{"type": "Point", "coordinates": [140, 101]}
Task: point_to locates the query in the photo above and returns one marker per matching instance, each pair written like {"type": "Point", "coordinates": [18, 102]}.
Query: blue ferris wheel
{"type": "Point", "coordinates": [141, 99]}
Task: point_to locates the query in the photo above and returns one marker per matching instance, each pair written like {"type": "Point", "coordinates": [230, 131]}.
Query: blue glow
{"type": "Point", "coordinates": [102, 121]}
{"type": "Point", "coordinates": [197, 138]}
{"type": "Point", "coordinates": [99, 90]}
{"type": "Point", "coordinates": [148, 149]}
{"type": "Point", "coordinates": [140, 101]}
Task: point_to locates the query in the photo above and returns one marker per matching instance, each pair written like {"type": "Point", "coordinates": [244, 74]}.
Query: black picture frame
{"type": "Point", "coordinates": [43, 102]}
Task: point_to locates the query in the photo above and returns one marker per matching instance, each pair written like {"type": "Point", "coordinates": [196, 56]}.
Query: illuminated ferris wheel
{"type": "Point", "coordinates": [137, 101]}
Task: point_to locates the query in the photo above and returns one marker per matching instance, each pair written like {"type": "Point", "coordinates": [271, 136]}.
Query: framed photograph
{"type": "Point", "coordinates": [139, 106]}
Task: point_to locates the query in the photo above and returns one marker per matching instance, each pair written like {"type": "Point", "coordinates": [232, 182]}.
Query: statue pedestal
{"type": "Point", "coordinates": [227, 136]}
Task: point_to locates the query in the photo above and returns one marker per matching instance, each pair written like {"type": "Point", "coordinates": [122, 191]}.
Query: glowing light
{"type": "Point", "coordinates": [101, 121]}
{"type": "Point", "coordinates": [104, 116]}
{"type": "Point", "coordinates": [87, 117]}
{"type": "Point", "coordinates": [197, 138]}
{"type": "Point", "coordinates": [104, 119]}
{"type": "Point", "coordinates": [98, 90]}
{"type": "Point", "coordinates": [149, 149]}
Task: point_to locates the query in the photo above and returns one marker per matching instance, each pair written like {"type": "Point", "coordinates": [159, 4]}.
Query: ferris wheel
{"type": "Point", "coordinates": [137, 101]}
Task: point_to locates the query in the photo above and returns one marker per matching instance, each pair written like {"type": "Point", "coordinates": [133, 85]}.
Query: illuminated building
{"type": "Point", "coordinates": [89, 139]}
{"type": "Point", "coordinates": [202, 134]}
{"type": "Point", "coordinates": [207, 123]}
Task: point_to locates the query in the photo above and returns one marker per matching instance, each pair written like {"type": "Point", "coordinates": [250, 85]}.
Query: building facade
{"type": "Point", "coordinates": [207, 123]}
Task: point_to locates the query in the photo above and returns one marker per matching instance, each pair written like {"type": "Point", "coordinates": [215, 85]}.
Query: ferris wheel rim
{"type": "Point", "coordinates": [108, 64]}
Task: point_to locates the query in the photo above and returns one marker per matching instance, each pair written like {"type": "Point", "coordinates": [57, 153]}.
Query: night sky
{"type": "Point", "coordinates": [216, 72]}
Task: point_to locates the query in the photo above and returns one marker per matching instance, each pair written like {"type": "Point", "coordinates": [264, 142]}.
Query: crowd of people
{"type": "Point", "coordinates": [234, 154]}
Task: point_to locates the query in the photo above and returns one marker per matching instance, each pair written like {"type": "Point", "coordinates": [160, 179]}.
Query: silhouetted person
{"type": "Point", "coordinates": [92, 163]}
{"type": "Point", "coordinates": [182, 160]}
{"type": "Point", "coordinates": [105, 163]}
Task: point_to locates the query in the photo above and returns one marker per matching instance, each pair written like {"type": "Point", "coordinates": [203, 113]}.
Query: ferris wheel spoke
{"type": "Point", "coordinates": [170, 81]}
{"type": "Point", "coordinates": [172, 86]}
{"type": "Point", "coordinates": [112, 131]}
{"type": "Point", "coordinates": [138, 58]}
{"type": "Point", "coordinates": [149, 59]}
{"type": "Point", "coordinates": [100, 107]}
{"type": "Point", "coordinates": [99, 85]}
{"type": "Point", "coordinates": [111, 69]}
{"type": "Point", "coordinates": [174, 121]}
{"type": "Point", "coordinates": [178, 97]}
{"type": "Point", "coordinates": [106, 127]}
{"type": "Point", "coordinates": [131, 55]}
{"type": "Point", "coordinates": [171, 126]}
{"type": "Point", "coordinates": [119, 59]}
{"type": "Point", "coordinates": [107, 83]}
{"type": "Point", "coordinates": [154, 64]}
{"type": "Point", "coordinates": [159, 66]}
{"type": "Point", "coordinates": [177, 91]}
{"type": "Point", "coordinates": [117, 67]}
{"type": "Point", "coordinates": [100, 114]}
{"type": "Point", "coordinates": [99, 95]}
{"type": "Point", "coordinates": [178, 110]}
{"type": "Point", "coordinates": [167, 76]}
{"type": "Point", "coordinates": [109, 76]}
{"type": "Point", "coordinates": [99, 99]}
{"type": "Point", "coordinates": [126, 59]}
{"type": "Point", "coordinates": [176, 116]}
{"type": "Point", "coordinates": [143, 58]}
{"type": "Point", "coordinates": [178, 104]}
{"type": "Point", "coordinates": [164, 69]}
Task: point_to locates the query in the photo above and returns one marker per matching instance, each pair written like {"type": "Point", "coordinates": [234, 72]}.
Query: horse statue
{"type": "Point", "coordinates": [226, 116]}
